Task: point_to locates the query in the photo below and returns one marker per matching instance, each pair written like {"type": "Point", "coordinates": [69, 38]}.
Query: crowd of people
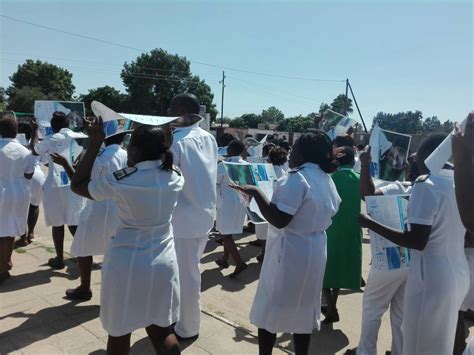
{"type": "Point", "coordinates": [149, 209]}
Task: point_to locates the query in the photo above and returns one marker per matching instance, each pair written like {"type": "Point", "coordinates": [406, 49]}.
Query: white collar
{"type": "Point", "coordinates": [148, 164]}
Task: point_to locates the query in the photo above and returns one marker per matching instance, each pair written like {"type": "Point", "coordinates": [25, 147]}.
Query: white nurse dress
{"type": "Point", "coordinates": [15, 162]}
{"type": "Point", "coordinates": [140, 276]}
{"type": "Point", "coordinates": [438, 279]}
{"type": "Point", "coordinates": [288, 297]}
{"type": "Point", "coordinates": [231, 211]}
{"type": "Point", "coordinates": [61, 205]}
{"type": "Point", "coordinates": [98, 221]}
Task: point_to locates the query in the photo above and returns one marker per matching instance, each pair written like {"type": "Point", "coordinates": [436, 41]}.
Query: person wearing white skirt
{"type": "Point", "coordinates": [438, 279]}
{"type": "Point", "coordinates": [278, 157]}
{"type": "Point", "coordinates": [98, 221]}
{"type": "Point", "coordinates": [16, 168]}
{"type": "Point", "coordinates": [26, 127]}
{"type": "Point", "coordinates": [140, 277]}
{"type": "Point", "coordinates": [231, 211]}
{"type": "Point", "coordinates": [61, 206]}
{"type": "Point", "coordinates": [288, 297]}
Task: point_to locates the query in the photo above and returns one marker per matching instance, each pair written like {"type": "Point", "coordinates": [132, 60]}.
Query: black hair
{"type": "Point", "coordinates": [316, 147]}
{"type": "Point", "coordinates": [115, 139]}
{"type": "Point", "coordinates": [8, 127]}
{"type": "Point", "coordinates": [360, 147]}
{"type": "Point", "coordinates": [25, 127]}
{"type": "Point", "coordinates": [186, 103]}
{"type": "Point", "coordinates": [235, 147]}
{"type": "Point", "coordinates": [428, 146]}
{"type": "Point", "coordinates": [58, 121]}
{"type": "Point", "coordinates": [225, 139]}
{"type": "Point", "coordinates": [347, 157]}
{"type": "Point", "coordinates": [278, 156]}
{"type": "Point", "coordinates": [266, 148]}
{"type": "Point", "coordinates": [152, 142]}
{"type": "Point", "coordinates": [342, 141]}
{"type": "Point", "coordinates": [284, 144]}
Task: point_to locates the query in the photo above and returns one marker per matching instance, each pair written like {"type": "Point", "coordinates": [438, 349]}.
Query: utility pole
{"type": "Point", "coordinates": [222, 98]}
{"type": "Point", "coordinates": [346, 103]}
{"type": "Point", "coordinates": [357, 106]}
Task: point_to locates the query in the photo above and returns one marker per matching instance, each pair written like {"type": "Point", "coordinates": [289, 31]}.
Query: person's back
{"type": "Point", "coordinates": [14, 158]}
{"type": "Point", "coordinates": [195, 153]}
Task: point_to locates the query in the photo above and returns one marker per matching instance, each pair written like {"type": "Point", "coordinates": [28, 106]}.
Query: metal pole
{"type": "Point", "coordinates": [346, 103]}
{"type": "Point", "coordinates": [358, 110]}
{"type": "Point", "coordinates": [222, 98]}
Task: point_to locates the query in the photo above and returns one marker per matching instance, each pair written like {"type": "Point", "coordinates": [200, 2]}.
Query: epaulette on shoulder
{"type": "Point", "coordinates": [295, 170]}
{"type": "Point", "coordinates": [101, 151]}
{"type": "Point", "coordinates": [422, 178]}
{"type": "Point", "coordinates": [123, 173]}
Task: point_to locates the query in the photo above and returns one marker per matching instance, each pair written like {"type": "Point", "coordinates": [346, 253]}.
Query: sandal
{"type": "Point", "coordinates": [22, 242]}
{"type": "Point", "coordinates": [256, 243]}
{"type": "Point", "coordinates": [331, 318]}
{"type": "Point", "coordinates": [78, 294]}
{"type": "Point", "coordinates": [238, 270]}
{"type": "Point", "coordinates": [222, 263]}
{"type": "Point", "coordinates": [56, 263]}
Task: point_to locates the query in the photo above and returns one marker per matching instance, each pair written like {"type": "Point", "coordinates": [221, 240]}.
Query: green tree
{"type": "Point", "coordinates": [447, 126]}
{"type": "Point", "coordinates": [296, 124]}
{"type": "Point", "coordinates": [237, 122]}
{"type": "Point", "coordinates": [251, 120]}
{"type": "Point", "coordinates": [272, 115]}
{"type": "Point", "coordinates": [107, 95]}
{"type": "Point", "coordinates": [3, 99]}
{"type": "Point", "coordinates": [53, 81]}
{"type": "Point", "coordinates": [155, 77]}
{"type": "Point", "coordinates": [323, 107]}
{"type": "Point", "coordinates": [431, 124]}
{"type": "Point", "coordinates": [338, 104]}
{"type": "Point", "coordinates": [403, 122]}
{"type": "Point", "coordinates": [24, 99]}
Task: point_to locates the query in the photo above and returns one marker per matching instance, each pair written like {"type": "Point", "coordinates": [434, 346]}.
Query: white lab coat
{"type": "Point", "coordinates": [195, 153]}
{"type": "Point", "coordinates": [15, 162]}
{"type": "Point", "coordinates": [288, 297]}
{"type": "Point", "coordinates": [98, 221]}
{"type": "Point", "coordinates": [439, 276]}
{"type": "Point", "coordinates": [231, 211]}
{"type": "Point", "coordinates": [385, 288]}
{"type": "Point", "coordinates": [61, 205]}
{"type": "Point", "coordinates": [140, 281]}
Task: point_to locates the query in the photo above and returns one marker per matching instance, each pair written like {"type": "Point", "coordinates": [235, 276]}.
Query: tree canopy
{"type": "Point", "coordinates": [154, 78]}
{"type": "Point", "coordinates": [108, 96]}
{"type": "Point", "coordinates": [53, 81]}
{"type": "Point", "coordinates": [24, 99]}
{"type": "Point", "coordinates": [411, 122]}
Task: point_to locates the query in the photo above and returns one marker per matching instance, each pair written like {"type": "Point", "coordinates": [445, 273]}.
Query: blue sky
{"type": "Point", "coordinates": [398, 56]}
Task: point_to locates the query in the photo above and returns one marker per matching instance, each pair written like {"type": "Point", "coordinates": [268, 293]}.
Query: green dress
{"type": "Point", "coordinates": [344, 236]}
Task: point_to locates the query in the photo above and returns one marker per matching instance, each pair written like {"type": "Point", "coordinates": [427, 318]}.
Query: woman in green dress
{"type": "Point", "coordinates": [344, 236]}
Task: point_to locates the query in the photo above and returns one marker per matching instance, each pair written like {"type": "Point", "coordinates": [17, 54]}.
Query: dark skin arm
{"type": "Point", "coordinates": [269, 210]}
{"type": "Point", "coordinates": [463, 151]}
{"type": "Point", "coordinates": [416, 238]}
{"type": "Point", "coordinates": [60, 160]}
{"type": "Point", "coordinates": [34, 136]}
{"type": "Point", "coordinates": [82, 177]}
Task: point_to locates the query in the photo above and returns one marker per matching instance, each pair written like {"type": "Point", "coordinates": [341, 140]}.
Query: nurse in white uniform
{"type": "Point", "coordinates": [98, 221]}
{"type": "Point", "coordinates": [288, 297]}
{"type": "Point", "coordinates": [16, 167]}
{"type": "Point", "coordinates": [438, 279]}
{"type": "Point", "coordinates": [61, 205]}
{"type": "Point", "coordinates": [385, 285]}
{"type": "Point", "coordinates": [195, 153]}
{"type": "Point", "coordinates": [27, 127]}
{"type": "Point", "coordinates": [140, 278]}
{"type": "Point", "coordinates": [231, 211]}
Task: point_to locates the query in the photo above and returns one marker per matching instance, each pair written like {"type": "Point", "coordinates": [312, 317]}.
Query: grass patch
{"type": "Point", "coordinates": [20, 250]}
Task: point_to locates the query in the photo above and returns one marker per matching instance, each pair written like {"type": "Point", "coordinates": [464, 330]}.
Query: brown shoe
{"type": "Point", "coordinates": [22, 242]}
{"type": "Point", "coordinates": [238, 270]}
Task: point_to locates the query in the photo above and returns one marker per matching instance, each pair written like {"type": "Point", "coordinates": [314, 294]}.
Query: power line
{"type": "Point", "coordinates": [143, 50]}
